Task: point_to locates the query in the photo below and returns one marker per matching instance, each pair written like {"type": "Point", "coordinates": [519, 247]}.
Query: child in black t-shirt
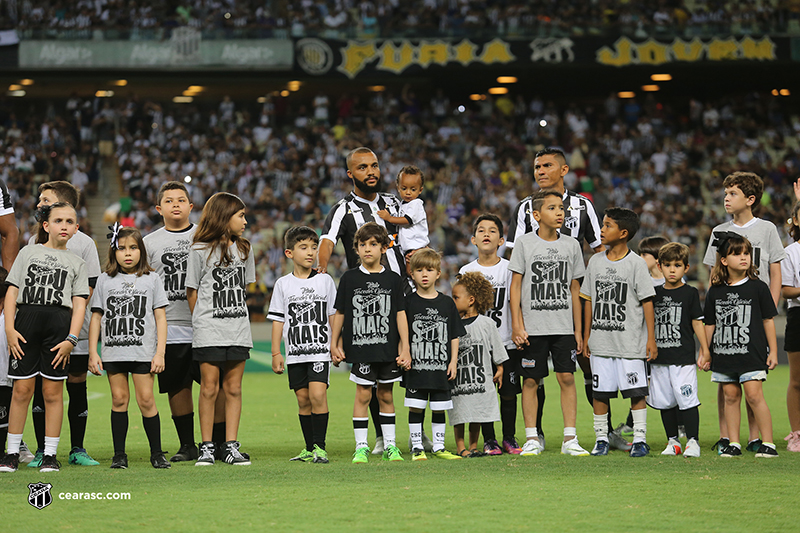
{"type": "Point", "coordinates": [673, 376]}
{"type": "Point", "coordinates": [434, 327]}
{"type": "Point", "coordinates": [369, 330]}
{"type": "Point", "coordinates": [739, 325]}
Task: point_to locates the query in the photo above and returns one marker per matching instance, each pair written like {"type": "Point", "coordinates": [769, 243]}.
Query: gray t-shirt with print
{"type": "Point", "coordinates": [46, 276]}
{"type": "Point", "coordinates": [168, 254]}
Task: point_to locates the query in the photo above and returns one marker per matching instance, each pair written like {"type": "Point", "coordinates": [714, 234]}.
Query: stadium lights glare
{"type": "Point", "coordinates": [661, 77]}
{"type": "Point", "coordinates": [543, 123]}
{"type": "Point", "coordinates": [626, 94]}
{"type": "Point", "coordinates": [189, 93]}
{"type": "Point", "coordinates": [461, 109]}
{"type": "Point", "coordinates": [187, 179]}
{"type": "Point", "coordinates": [293, 86]}
{"type": "Point", "coordinates": [14, 87]}
{"type": "Point", "coordinates": [476, 97]}
{"type": "Point", "coordinates": [498, 90]}
{"type": "Point", "coordinates": [507, 79]}
{"type": "Point", "coordinates": [121, 83]}
{"type": "Point", "coordinates": [785, 92]}
{"type": "Point", "coordinates": [376, 88]}
{"type": "Point", "coordinates": [26, 81]}
{"type": "Point", "coordinates": [261, 99]}
{"type": "Point", "coordinates": [104, 94]}
{"type": "Point", "coordinates": [17, 94]}
{"type": "Point", "coordinates": [227, 15]}
{"type": "Point", "coordinates": [284, 93]}
{"type": "Point", "coordinates": [183, 100]}
{"type": "Point", "coordinates": [650, 88]}
{"type": "Point", "coordinates": [196, 88]}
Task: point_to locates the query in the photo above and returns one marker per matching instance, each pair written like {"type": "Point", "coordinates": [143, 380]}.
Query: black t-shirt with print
{"type": "Point", "coordinates": [675, 309]}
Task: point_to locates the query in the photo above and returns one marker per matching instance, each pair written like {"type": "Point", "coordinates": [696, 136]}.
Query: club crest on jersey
{"type": "Point", "coordinates": [633, 378]}
{"type": "Point", "coordinates": [686, 390]}
{"type": "Point", "coordinates": [39, 496]}
{"type": "Point", "coordinates": [318, 367]}
{"type": "Point", "coordinates": [364, 368]}
{"type": "Point", "coordinates": [571, 222]}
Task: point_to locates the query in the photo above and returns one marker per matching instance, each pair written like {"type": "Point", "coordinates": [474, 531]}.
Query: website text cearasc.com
{"type": "Point", "coordinates": [94, 496]}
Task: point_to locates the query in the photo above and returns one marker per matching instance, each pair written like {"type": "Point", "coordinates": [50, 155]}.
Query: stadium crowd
{"type": "Point", "coordinates": [146, 19]}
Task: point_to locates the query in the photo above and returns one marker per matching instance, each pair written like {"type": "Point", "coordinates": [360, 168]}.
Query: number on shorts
{"type": "Point", "coordinates": [595, 381]}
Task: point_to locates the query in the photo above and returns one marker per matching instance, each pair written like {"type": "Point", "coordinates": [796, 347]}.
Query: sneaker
{"type": "Point", "coordinates": [219, 452]}
{"type": "Point", "coordinates": [673, 448]}
{"type": "Point", "coordinates": [754, 445]}
{"type": "Point", "coordinates": [320, 455]}
{"type": "Point", "coordinates": [50, 464]}
{"type": "Point", "coordinates": [600, 448]}
{"type": "Point", "coordinates": [78, 456]}
{"type": "Point", "coordinates": [491, 447]}
{"type": "Point", "coordinates": [392, 453]}
{"type": "Point", "coordinates": [25, 455]}
{"type": "Point", "coordinates": [473, 454]}
{"type": "Point", "coordinates": [444, 454]}
{"type": "Point", "coordinates": [766, 452]}
{"type": "Point", "coordinates": [692, 449]}
{"type": "Point", "coordinates": [792, 446]}
{"type": "Point", "coordinates": [571, 447]}
{"type": "Point", "coordinates": [531, 447]}
{"type": "Point", "coordinates": [731, 451]}
{"type": "Point", "coordinates": [9, 463]}
{"type": "Point", "coordinates": [625, 430]}
{"type": "Point", "coordinates": [511, 446]}
{"type": "Point", "coordinates": [304, 456]}
{"type": "Point", "coordinates": [233, 456]}
{"type": "Point", "coordinates": [159, 461]}
{"type": "Point", "coordinates": [681, 432]}
{"type": "Point", "coordinates": [418, 455]}
{"type": "Point", "coordinates": [187, 452]}
{"type": "Point", "coordinates": [362, 454]}
{"type": "Point", "coordinates": [640, 449]}
{"type": "Point", "coordinates": [617, 442]}
{"type": "Point", "coordinates": [427, 443]}
{"type": "Point", "coordinates": [37, 459]}
{"type": "Point", "coordinates": [720, 445]}
{"type": "Point", "coordinates": [541, 440]}
{"type": "Point", "coordinates": [378, 449]}
{"type": "Point", "coordinates": [206, 458]}
{"type": "Point", "coordinates": [120, 460]}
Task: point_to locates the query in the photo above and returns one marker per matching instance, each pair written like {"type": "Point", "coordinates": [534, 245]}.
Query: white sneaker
{"type": "Point", "coordinates": [692, 449]}
{"type": "Point", "coordinates": [531, 447]}
{"type": "Point", "coordinates": [618, 442]}
{"type": "Point", "coordinates": [541, 440]}
{"type": "Point", "coordinates": [571, 447]}
{"type": "Point", "coordinates": [681, 432]}
{"type": "Point", "coordinates": [378, 449]}
{"type": "Point", "coordinates": [25, 455]}
{"type": "Point", "coordinates": [673, 448]}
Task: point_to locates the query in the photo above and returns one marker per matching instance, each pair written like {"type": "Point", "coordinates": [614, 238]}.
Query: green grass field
{"type": "Point", "coordinates": [501, 493]}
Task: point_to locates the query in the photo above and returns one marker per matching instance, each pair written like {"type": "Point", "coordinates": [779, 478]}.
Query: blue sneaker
{"type": "Point", "coordinates": [640, 449]}
{"type": "Point", "coordinates": [600, 448]}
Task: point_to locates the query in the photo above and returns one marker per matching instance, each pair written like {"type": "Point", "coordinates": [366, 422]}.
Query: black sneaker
{"type": "Point", "coordinates": [50, 464]}
{"type": "Point", "coordinates": [731, 451]}
{"type": "Point", "coordinates": [207, 453]}
{"type": "Point", "coordinates": [187, 452]}
{"type": "Point", "coordinates": [233, 456]}
{"type": "Point", "coordinates": [754, 445]}
{"type": "Point", "coordinates": [720, 445]}
{"type": "Point", "coordinates": [120, 460]}
{"type": "Point", "coordinates": [10, 462]}
{"type": "Point", "coordinates": [766, 452]}
{"type": "Point", "coordinates": [158, 460]}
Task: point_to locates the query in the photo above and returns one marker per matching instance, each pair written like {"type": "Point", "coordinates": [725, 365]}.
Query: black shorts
{"type": "Point", "coordinates": [371, 373]}
{"type": "Point", "coordinates": [440, 400]}
{"type": "Point", "coordinates": [43, 327]}
{"type": "Point", "coordinates": [301, 374]}
{"type": "Point", "coordinates": [5, 405]}
{"type": "Point", "coordinates": [512, 378]}
{"type": "Point", "coordinates": [220, 354]}
{"type": "Point", "coordinates": [562, 349]}
{"type": "Point", "coordinates": [180, 369]}
{"type": "Point", "coordinates": [78, 364]}
{"type": "Point", "coordinates": [126, 367]}
{"type": "Point", "coordinates": [792, 339]}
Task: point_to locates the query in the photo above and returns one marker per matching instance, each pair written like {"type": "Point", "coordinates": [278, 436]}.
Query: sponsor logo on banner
{"type": "Point", "coordinates": [314, 56]}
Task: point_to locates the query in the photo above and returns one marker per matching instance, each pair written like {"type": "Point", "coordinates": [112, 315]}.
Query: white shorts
{"type": "Point", "coordinates": [673, 385]}
{"type": "Point", "coordinates": [612, 374]}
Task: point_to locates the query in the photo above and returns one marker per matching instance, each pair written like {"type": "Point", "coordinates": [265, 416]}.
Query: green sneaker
{"type": "Point", "coordinates": [78, 456]}
{"type": "Point", "coordinates": [418, 455]}
{"type": "Point", "coordinates": [392, 453]}
{"type": "Point", "coordinates": [305, 456]}
{"type": "Point", "coordinates": [444, 454]}
{"type": "Point", "coordinates": [37, 459]}
{"type": "Point", "coordinates": [320, 455]}
{"type": "Point", "coordinates": [753, 445]}
{"type": "Point", "coordinates": [361, 455]}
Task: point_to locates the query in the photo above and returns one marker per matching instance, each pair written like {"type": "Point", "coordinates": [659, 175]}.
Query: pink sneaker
{"type": "Point", "coordinates": [511, 446]}
{"type": "Point", "coordinates": [492, 448]}
{"type": "Point", "coordinates": [794, 441]}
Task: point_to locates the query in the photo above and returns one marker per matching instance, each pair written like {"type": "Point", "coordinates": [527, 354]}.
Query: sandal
{"type": "Point", "coordinates": [463, 453]}
{"type": "Point", "coordinates": [476, 453]}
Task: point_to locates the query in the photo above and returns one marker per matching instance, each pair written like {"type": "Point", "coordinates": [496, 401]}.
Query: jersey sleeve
{"type": "Point", "coordinates": [711, 252]}
{"type": "Point", "coordinates": [250, 268]}
{"type": "Point", "coordinates": [92, 258]}
{"type": "Point", "coordinates": [194, 268]}
{"type": "Point", "coordinates": [414, 211]}
{"type": "Point", "coordinates": [516, 226]}
{"type": "Point", "coordinates": [578, 268]}
{"type": "Point", "coordinates": [341, 293]}
{"type": "Point", "coordinates": [499, 353]}
{"type": "Point", "coordinates": [587, 287]}
{"type": "Point", "coordinates": [334, 222]}
{"type": "Point", "coordinates": [765, 301]}
{"type": "Point", "coordinates": [277, 310]}
{"type": "Point", "coordinates": [775, 248]}
{"type": "Point", "coordinates": [695, 310]}
{"type": "Point", "coordinates": [516, 263]}
{"type": "Point", "coordinates": [710, 312]}
{"type": "Point", "coordinates": [80, 283]}
{"type": "Point", "coordinates": [456, 325]}
{"type": "Point", "coordinates": [592, 227]}
{"type": "Point", "coordinates": [97, 304]}
{"type": "Point", "coordinates": [159, 294]}
{"type": "Point", "coordinates": [788, 271]}
{"type": "Point", "coordinates": [16, 275]}
{"type": "Point", "coordinates": [330, 295]}
{"type": "Point", "coordinates": [398, 294]}
{"type": "Point", "coordinates": [643, 283]}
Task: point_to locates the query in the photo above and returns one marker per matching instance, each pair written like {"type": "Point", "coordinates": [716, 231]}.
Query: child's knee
{"type": "Point", "coordinates": [565, 379]}
{"type": "Point", "coordinates": [530, 384]}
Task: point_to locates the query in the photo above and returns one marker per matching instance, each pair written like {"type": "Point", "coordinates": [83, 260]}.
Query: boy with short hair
{"type": "Point", "coordinates": [743, 191]}
{"type": "Point", "coordinates": [620, 330]}
{"type": "Point", "coordinates": [648, 250]}
{"type": "Point", "coordinates": [434, 326]}
{"type": "Point", "coordinates": [167, 252]}
{"type": "Point", "coordinates": [673, 376]}
{"type": "Point", "coordinates": [546, 315]}
{"type": "Point", "coordinates": [301, 308]}
{"type": "Point", "coordinates": [487, 236]}
{"type": "Point", "coordinates": [369, 330]}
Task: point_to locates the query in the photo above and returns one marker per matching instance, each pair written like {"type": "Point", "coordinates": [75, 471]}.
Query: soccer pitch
{"type": "Point", "coordinates": [512, 493]}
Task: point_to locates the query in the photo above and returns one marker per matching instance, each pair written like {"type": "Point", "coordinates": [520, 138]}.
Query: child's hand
{"type": "Point", "coordinates": [277, 363]}
{"type": "Point", "coordinates": [498, 377]}
{"type": "Point", "coordinates": [384, 214]}
{"type": "Point", "coordinates": [404, 361]}
{"type": "Point", "coordinates": [451, 370]}
{"type": "Point", "coordinates": [652, 349]}
{"type": "Point", "coordinates": [520, 337]}
{"type": "Point", "coordinates": [704, 361]}
{"type": "Point", "coordinates": [95, 364]}
{"type": "Point", "coordinates": [62, 349]}
{"type": "Point", "coordinates": [14, 338]}
{"type": "Point", "coordinates": [578, 343]}
{"type": "Point", "coordinates": [772, 361]}
{"type": "Point", "coordinates": [157, 364]}
{"type": "Point", "coordinates": [337, 355]}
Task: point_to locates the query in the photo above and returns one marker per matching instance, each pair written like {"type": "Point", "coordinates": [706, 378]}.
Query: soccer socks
{"type": "Point", "coordinates": [51, 445]}
{"type": "Point", "coordinates": [374, 412]}
{"type": "Point", "coordinates": [218, 434]}
{"type": "Point", "coordinates": [531, 433]}
{"type": "Point", "coordinates": [587, 387]}
{"type": "Point", "coordinates": [37, 413]}
{"type": "Point", "coordinates": [601, 427]}
{"type": "Point", "coordinates": [152, 428]}
{"type": "Point", "coordinates": [184, 425]}
{"type": "Point", "coordinates": [691, 422]}
{"type": "Point", "coordinates": [119, 430]}
{"type": "Point", "coordinates": [77, 413]}
{"type": "Point", "coordinates": [629, 420]}
{"type": "Point", "coordinates": [361, 428]}
{"type": "Point", "coordinates": [508, 416]}
{"type": "Point", "coordinates": [319, 425]}
{"type": "Point", "coordinates": [541, 397]}
{"type": "Point", "coordinates": [438, 424]}
{"type": "Point", "coordinates": [487, 428]}
{"type": "Point", "coordinates": [669, 417]}
{"type": "Point", "coordinates": [306, 425]}
{"type": "Point", "coordinates": [639, 425]}
{"type": "Point", "coordinates": [14, 442]}
{"type": "Point", "coordinates": [388, 429]}
{"type": "Point", "coordinates": [415, 429]}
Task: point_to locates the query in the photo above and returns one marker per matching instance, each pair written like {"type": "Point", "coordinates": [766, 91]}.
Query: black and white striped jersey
{"type": "Point", "coordinates": [352, 212]}
{"type": "Point", "coordinates": [580, 220]}
{"type": "Point", "coordinates": [6, 207]}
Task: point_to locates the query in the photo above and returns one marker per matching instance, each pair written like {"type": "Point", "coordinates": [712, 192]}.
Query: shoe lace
{"type": "Point", "coordinates": [234, 451]}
